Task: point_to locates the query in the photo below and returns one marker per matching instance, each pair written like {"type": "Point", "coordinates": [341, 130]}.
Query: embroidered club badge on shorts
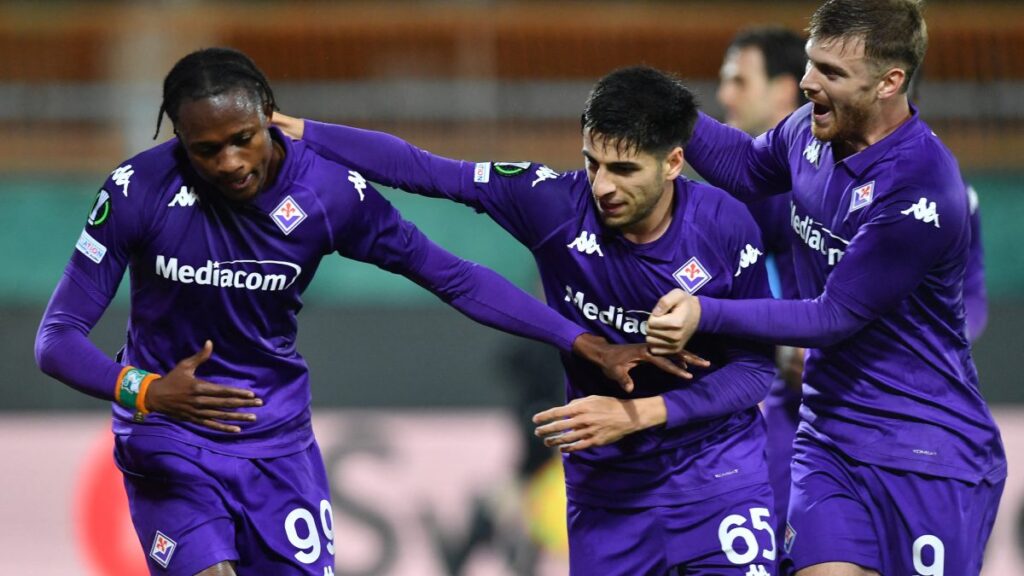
{"type": "Point", "coordinates": [787, 543]}
{"type": "Point", "coordinates": [288, 215]}
{"type": "Point", "coordinates": [692, 275]}
{"type": "Point", "coordinates": [163, 549]}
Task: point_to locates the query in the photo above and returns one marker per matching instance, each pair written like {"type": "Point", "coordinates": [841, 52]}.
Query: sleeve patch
{"type": "Point", "coordinates": [91, 247]}
{"type": "Point", "coordinates": [482, 173]}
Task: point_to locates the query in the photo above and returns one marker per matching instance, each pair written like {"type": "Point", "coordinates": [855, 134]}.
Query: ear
{"type": "Point", "coordinates": [674, 163]}
{"type": "Point", "coordinates": [891, 83]}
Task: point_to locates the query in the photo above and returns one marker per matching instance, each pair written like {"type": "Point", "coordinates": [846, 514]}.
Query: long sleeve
{"type": "Point", "coordinates": [366, 227]}
{"type": "Point", "coordinates": [63, 350]}
{"type": "Point", "coordinates": [740, 384]}
{"type": "Point", "coordinates": [975, 295]}
{"type": "Point", "coordinates": [748, 168]}
{"type": "Point", "coordinates": [896, 246]}
{"type": "Point", "coordinates": [387, 160]}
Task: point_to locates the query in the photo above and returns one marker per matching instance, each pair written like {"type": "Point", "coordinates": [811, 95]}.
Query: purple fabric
{"type": "Point", "coordinates": [880, 265]}
{"type": "Point", "coordinates": [202, 268]}
{"type": "Point", "coordinates": [690, 538]}
{"type": "Point", "coordinates": [594, 276]}
{"type": "Point", "coordinates": [214, 508]}
{"type": "Point", "coordinates": [849, 511]}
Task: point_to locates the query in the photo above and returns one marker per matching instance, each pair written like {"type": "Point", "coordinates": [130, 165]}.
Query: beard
{"type": "Point", "coordinates": [848, 123]}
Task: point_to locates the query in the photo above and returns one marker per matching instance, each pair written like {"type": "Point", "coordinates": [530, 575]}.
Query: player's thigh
{"type": "Point", "coordinates": [934, 526]}
{"type": "Point", "coordinates": [731, 534]}
{"type": "Point", "coordinates": [288, 526]}
{"type": "Point", "coordinates": [828, 518]}
{"type": "Point", "coordinates": [615, 541]}
{"type": "Point", "coordinates": [219, 569]}
{"type": "Point", "coordinates": [179, 507]}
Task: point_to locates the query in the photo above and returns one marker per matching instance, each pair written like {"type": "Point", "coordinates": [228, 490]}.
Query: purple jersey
{"type": "Point", "coordinates": [883, 242]}
{"type": "Point", "coordinates": [202, 268]}
{"type": "Point", "coordinates": [713, 440]}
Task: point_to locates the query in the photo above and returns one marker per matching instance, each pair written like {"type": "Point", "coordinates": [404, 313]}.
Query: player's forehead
{"type": "Point", "coordinates": [842, 52]}
{"type": "Point", "coordinates": [219, 116]}
{"type": "Point", "coordinates": [612, 150]}
{"type": "Point", "coordinates": [742, 62]}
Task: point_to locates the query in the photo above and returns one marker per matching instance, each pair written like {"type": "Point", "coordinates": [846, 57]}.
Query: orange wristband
{"type": "Point", "coordinates": [132, 386]}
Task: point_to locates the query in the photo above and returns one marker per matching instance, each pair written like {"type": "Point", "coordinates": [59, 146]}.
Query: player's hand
{"type": "Point", "coordinates": [616, 360]}
{"type": "Point", "coordinates": [673, 322]}
{"type": "Point", "coordinates": [597, 421]}
{"type": "Point", "coordinates": [292, 127]}
{"type": "Point", "coordinates": [181, 395]}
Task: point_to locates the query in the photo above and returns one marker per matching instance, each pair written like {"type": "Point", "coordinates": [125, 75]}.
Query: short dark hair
{"type": "Point", "coordinates": [894, 31]}
{"type": "Point", "coordinates": [641, 109]}
{"type": "Point", "coordinates": [782, 49]}
{"type": "Point", "coordinates": [210, 72]}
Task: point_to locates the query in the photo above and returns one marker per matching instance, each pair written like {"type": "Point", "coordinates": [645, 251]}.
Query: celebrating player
{"type": "Point", "coordinates": [671, 476]}
{"type": "Point", "coordinates": [222, 228]}
{"type": "Point", "coordinates": [897, 456]}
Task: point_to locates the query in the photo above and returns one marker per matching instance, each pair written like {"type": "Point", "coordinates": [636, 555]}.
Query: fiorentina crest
{"type": "Point", "coordinates": [862, 196]}
{"type": "Point", "coordinates": [163, 549]}
{"type": "Point", "coordinates": [692, 275]}
{"type": "Point", "coordinates": [287, 215]}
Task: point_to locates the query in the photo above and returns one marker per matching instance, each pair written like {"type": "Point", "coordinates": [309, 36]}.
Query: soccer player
{"type": "Point", "coordinates": [897, 457]}
{"type": "Point", "coordinates": [672, 477]}
{"type": "Point", "coordinates": [758, 88]}
{"type": "Point", "coordinates": [222, 228]}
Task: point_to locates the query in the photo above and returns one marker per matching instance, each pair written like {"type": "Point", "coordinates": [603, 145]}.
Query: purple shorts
{"type": "Point", "coordinates": [728, 535]}
{"type": "Point", "coordinates": [193, 508]}
{"type": "Point", "coordinates": [891, 521]}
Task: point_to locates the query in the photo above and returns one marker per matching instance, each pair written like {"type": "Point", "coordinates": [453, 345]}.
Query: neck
{"type": "Point", "coordinates": [656, 223]}
{"type": "Point", "coordinates": [888, 119]}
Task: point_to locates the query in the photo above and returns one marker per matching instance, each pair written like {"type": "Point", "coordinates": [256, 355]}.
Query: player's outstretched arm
{"type": "Point", "coordinates": [748, 168]}
{"type": "Point", "coordinates": [379, 157]}
{"type": "Point", "coordinates": [181, 395]}
{"type": "Point", "coordinates": [597, 421]}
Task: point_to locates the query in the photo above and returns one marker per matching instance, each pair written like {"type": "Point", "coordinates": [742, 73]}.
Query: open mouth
{"type": "Point", "coordinates": [821, 112]}
{"type": "Point", "coordinates": [240, 184]}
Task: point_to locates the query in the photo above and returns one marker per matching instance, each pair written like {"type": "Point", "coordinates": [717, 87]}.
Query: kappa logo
{"type": "Point", "coordinates": [586, 243]}
{"type": "Point", "coordinates": [813, 151]}
{"type": "Point", "coordinates": [162, 549]}
{"type": "Point", "coordinates": [861, 196]}
{"type": "Point", "coordinates": [692, 275]}
{"type": "Point", "coordinates": [924, 211]}
{"type": "Point", "coordinates": [748, 257]}
{"type": "Point", "coordinates": [289, 214]}
{"type": "Point", "coordinates": [543, 173]}
{"type": "Point", "coordinates": [184, 198]}
{"type": "Point", "coordinates": [122, 177]}
{"type": "Point", "coordinates": [357, 181]}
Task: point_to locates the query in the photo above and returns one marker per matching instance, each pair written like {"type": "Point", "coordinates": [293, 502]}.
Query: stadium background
{"type": "Point", "coordinates": [420, 413]}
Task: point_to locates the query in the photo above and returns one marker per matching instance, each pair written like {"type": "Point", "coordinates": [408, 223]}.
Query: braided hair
{"type": "Point", "coordinates": [210, 72]}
